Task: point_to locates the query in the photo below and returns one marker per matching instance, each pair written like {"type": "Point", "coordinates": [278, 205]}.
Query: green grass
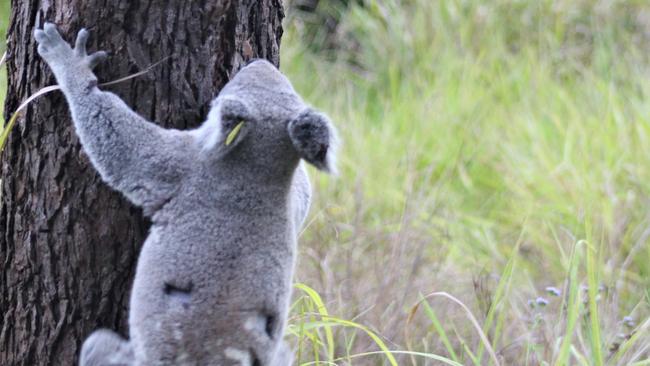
{"type": "Point", "coordinates": [489, 151]}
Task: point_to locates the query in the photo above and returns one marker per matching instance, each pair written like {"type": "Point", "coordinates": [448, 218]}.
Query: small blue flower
{"type": "Point", "coordinates": [553, 291]}
{"type": "Point", "coordinates": [540, 301]}
{"type": "Point", "coordinates": [629, 322]}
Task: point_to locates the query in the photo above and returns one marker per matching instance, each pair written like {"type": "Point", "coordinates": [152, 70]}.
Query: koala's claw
{"type": "Point", "coordinates": [54, 49]}
{"type": "Point", "coordinates": [96, 58]}
{"type": "Point", "coordinates": [49, 40]}
{"type": "Point", "coordinates": [80, 44]}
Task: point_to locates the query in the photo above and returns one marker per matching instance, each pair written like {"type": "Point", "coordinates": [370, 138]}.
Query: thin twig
{"type": "Point", "coordinates": [5, 131]}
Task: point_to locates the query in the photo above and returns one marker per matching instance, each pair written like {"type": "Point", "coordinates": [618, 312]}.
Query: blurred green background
{"type": "Point", "coordinates": [496, 151]}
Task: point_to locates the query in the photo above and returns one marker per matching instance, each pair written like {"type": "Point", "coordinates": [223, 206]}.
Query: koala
{"type": "Point", "coordinates": [226, 200]}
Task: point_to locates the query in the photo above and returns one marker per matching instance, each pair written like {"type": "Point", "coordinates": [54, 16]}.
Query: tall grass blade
{"type": "Point", "coordinates": [472, 319]}
{"type": "Point", "coordinates": [4, 134]}
{"type": "Point", "coordinates": [572, 305]}
{"type": "Point", "coordinates": [322, 310]}
{"type": "Point", "coordinates": [329, 321]}
{"type": "Point", "coordinates": [499, 295]}
{"type": "Point", "coordinates": [410, 353]}
{"type": "Point", "coordinates": [593, 285]}
{"type": "Point", "coordinates": [440, 330]}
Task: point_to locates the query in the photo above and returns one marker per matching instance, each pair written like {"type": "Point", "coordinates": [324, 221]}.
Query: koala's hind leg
{"type": "Point", "coordinates": [106, 348]}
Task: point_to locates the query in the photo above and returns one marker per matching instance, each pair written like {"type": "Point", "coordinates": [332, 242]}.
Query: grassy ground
{"type": "Point", "coordinates": [492, 205]}
{"type": "Point", "coordinates": [491, 151]}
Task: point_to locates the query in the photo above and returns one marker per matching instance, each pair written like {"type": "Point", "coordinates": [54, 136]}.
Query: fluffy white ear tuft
{"type": "Point", "coordinates": [315, 139]}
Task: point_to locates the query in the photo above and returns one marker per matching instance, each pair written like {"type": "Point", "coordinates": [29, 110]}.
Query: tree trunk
{"type": "Point", "coordinates": [68, 244]}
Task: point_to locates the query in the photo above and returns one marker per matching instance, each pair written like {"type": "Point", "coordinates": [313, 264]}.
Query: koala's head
{"type": "Point", "coordinates": [259, 120]}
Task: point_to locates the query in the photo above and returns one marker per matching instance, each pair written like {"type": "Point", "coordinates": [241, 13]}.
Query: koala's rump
{"type": "Point", "coordinates": [221, 337]}
{"type": "Point", "coordinates": [206, 290]}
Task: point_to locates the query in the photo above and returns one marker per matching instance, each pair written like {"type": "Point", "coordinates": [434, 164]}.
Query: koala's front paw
{"type": "Point", "coordinates": [58, 53]}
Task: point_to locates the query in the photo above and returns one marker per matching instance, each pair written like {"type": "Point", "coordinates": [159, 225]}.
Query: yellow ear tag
{"type": "Point", "coordinates": [231, 136]}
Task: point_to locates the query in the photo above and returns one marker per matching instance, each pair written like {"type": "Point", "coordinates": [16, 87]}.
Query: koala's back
{"type": "Point", "coordinates": [220, 257]}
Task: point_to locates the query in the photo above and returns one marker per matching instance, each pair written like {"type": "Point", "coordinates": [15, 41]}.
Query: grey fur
{"type": "Point", "coordinates": [213, 280]}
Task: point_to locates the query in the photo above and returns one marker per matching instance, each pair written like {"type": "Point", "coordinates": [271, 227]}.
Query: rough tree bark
{"type": "Point", "coordinates": [68, 244]}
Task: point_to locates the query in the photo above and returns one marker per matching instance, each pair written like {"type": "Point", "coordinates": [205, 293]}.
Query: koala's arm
{"type": "Point", "coordinates": [136, 157]}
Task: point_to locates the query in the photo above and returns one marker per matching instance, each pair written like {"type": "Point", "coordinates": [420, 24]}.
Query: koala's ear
{"type": "Point", "coordinates": [315, 139]}
{"type": "Point", "coordinates": [229, 119]}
